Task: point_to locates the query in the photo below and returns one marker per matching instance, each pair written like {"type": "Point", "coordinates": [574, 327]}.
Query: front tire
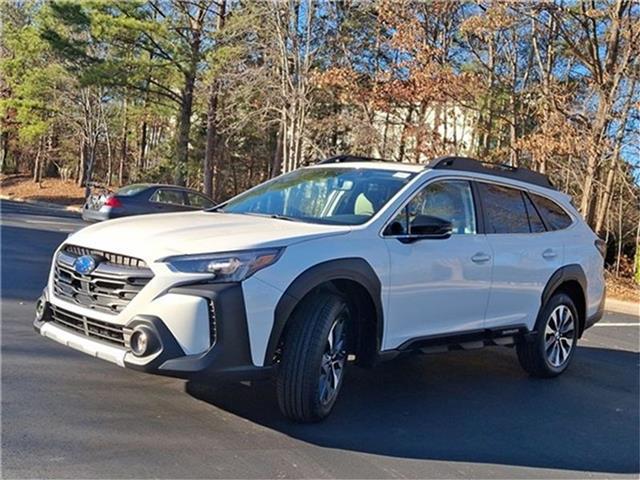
{"type": "Point", "coordinates": [550, 353]}
{"type": "Point", "coordinates": [314, 357]}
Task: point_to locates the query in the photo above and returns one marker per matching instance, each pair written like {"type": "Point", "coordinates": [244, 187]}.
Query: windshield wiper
{"type": "Point", "coordinates": [284, 217]}
{"type": "Point", "coordinates": [277, 216]}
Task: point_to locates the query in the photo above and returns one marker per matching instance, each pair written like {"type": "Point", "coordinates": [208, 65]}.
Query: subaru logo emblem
{"type": "Point", "coordinates": [85, 264]}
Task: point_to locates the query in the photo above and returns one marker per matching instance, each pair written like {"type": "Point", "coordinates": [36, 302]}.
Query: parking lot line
{"type": "Point", "coordinates": [617, 324]}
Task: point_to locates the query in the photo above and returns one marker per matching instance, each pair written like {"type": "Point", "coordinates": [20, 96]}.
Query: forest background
{"type": "Point", "coordinates": [221, 95]}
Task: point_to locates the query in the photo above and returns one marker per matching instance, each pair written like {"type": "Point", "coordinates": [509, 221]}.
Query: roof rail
{"type": "Point", "coordinates": [497, 169]}
{"type": "Point", "coordinates": [350, 158]}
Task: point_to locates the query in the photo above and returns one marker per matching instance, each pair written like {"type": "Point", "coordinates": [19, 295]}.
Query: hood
{"type": "Point", "coordinates": [151, 237]}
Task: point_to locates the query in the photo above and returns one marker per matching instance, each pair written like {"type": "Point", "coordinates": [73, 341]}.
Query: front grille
{"type": "Point", "coordinates": [109, 288]}
{"type": "Point", "coordinates": [106, 332]}
{"type": "Point", "coordinates": [114, 258]}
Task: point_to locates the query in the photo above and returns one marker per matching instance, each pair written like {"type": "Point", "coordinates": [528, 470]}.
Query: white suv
{"type": "Point", "coordinates": [349, 259]}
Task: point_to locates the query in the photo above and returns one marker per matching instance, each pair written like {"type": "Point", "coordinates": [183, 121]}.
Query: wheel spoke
{"type": "Point", "coordinates": [332, 363]}
{"type": "Point", "coordinates": [330, 337]}
{"type": "Point", "coordinates": [549, 342]}
{"type": "Point", "coordinates": [554, 319]}
{"type": "Point", "coordinates": [557, 355]}
{"type": "Point", "coordinates": [566, 345]}
{"type": "Point", "coordinates": [562, 354]}
{"type": "Point", "coordinates": [336, 377]}
{"type": "Point", "coordinates": [563, 317]}
{"type": "Point", "coordinates": [568, 327]}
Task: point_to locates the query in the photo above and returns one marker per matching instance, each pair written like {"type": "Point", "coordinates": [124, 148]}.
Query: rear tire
{"type": "Point", "coordinates": [314, 357]}
{"type": "Point", "coordinates": [550, 353]}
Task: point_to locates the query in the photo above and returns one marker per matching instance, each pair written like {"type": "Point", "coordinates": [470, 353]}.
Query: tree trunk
{"type": "Point", "coordinates": [37, 168]}
{"type": "Point", "coordinates": [184, 126]}
{"type": "Point", "coordinates": [619, 253]}
{"type": "Point", "coordinates": [636, 263]}
{"type": "Point", "coordinates": [47, 163]}
{"type": "Point", "coordinates": [209, 169]}
{"type": "Point", "coordinates": [605, 199]}
{"type": "Point", "coordinates": [211, 164]}
{"type": "Point", "coordinates": [217, 179]}
{"type": "Point", "coordinates": [5, 151]}
{"type": "Point", "coordinates": [123, 144]}
{"type": "Point", "coordinates": [107, 139]}
{"type": "Point", "coordinates": [186, 105]}
{"type": "Point", "coordinates": [586, 202]}
{"type": "Point", "coordinates": [91, 160]}
{"type": "Point", "coordinates": [121, 171]}
{"type": "Point", "coordinates": [513, 129]}
{"type": "Point", "coordinates": [277, 156]}
{"type": "Point", "coordinates": [80, 172]}
{"type": "Point", "coordinates": [143, 146]}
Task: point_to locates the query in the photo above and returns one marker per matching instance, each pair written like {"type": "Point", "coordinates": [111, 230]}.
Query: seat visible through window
{"type": "Point", "coordinates": [450, 200]}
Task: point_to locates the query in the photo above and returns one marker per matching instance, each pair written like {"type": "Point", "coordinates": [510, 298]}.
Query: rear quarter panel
{"type": "Point", "coordinates": [580, 249]}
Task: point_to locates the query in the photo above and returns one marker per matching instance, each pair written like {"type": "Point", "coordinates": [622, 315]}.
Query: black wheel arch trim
{"type": "Point", "coordinates": [353, 268]}
{"type": "Point", "coordinates": [572, 272]}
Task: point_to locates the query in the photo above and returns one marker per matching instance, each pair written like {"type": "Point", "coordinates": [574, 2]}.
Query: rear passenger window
{"type": "Point", "coordinates": [504, 209]}
{"type": "Point", "coordinates": [196, 200]}
{"type": "Point", "coordinates": [553, 214]}
{"type": "Point", "coordinates": [535, 222]}
{"type": "Point", "coordinates": [173, 197]}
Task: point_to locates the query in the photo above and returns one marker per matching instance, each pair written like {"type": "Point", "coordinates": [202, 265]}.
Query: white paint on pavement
{"type": "Point", "coordinates": [606, 324]}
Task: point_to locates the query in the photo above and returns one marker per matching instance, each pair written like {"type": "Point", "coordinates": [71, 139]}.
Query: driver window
{"type": "Point", "coordinates": [450, 200]}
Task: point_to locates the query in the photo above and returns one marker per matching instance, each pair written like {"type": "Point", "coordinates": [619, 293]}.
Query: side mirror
{"type": "Point", "coordinates": [426, 226]}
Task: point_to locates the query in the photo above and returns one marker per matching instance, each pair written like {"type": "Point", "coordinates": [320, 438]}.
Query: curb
{"type": "Point", "coordinates": [622, 306]}
{"type": "Point", "coordinates": [68, 208]}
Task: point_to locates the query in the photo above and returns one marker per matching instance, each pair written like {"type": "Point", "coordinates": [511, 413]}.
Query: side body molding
{"type": "Point", "coordinates": [354, 269]}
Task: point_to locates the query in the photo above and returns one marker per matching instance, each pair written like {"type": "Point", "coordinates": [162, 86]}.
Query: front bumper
{"type": "Point", "coordinates": [228, 358]}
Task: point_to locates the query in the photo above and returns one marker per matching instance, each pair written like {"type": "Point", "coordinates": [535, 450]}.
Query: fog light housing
{"type": "Point", "coordinates": [41, 305]}
{"type": "Point", "coordinates": [143, 342]}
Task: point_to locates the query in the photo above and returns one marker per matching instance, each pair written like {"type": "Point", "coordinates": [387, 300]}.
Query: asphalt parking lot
{"type": "Point", "coordinates": [464, 414]}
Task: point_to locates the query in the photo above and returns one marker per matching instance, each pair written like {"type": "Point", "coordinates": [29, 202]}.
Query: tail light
{"type": "Point", "coordinates": [601, 245]}
{"type": "Point", "coordinates": [112, 202]}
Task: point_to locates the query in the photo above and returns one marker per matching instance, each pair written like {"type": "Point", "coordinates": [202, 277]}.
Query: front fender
{"type": "Point", "coordinates": [354, 269]}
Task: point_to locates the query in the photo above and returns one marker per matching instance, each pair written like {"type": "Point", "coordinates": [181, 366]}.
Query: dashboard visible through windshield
{"type": "Point", "coordinates": [341, 196]}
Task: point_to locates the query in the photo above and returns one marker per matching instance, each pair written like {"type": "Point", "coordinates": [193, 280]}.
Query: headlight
{"type": "Point", "coordinates": [225, 267]}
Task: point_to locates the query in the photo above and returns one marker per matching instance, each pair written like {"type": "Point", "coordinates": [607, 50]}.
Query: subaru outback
{"type": "Point", "coordinates": [351, 260]}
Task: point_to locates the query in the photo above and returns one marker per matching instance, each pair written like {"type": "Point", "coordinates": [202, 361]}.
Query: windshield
{"type": "Point", "coordinates": [347, 196]}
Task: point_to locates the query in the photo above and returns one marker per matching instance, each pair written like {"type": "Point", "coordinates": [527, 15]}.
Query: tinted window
{"type": "Point", "coordinates": [450, 200]}
{"type": "Point", "coordinates": [504, 209]}
{"type": "Point", "coordinates": [535, 222]}
{"type": "Point", "coordinates": [174, 197]}
{"type": "Point", "coordinates": [196, 200]}
{"type": "Point", "coordinates": [131, 190]}
{"type": "Point", "coordinates": [554, 215]}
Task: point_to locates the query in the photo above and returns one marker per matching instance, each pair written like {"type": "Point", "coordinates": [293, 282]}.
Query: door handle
{"type": "Point", "coordinates": [549, 254]}
{"type": "Point", "coordinates": [480, 258]}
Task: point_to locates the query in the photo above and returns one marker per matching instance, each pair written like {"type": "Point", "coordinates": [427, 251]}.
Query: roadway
{"type": "Point", "coordinates": [464, 414]}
